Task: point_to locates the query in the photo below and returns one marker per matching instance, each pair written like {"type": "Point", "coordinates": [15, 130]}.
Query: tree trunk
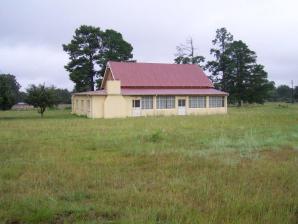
{"type": "Point", "coordinates": [91, 75]}
{"type": "Point", "coordinates": [91, 81]}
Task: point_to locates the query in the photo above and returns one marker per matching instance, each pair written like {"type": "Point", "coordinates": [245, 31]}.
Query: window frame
{"type": "Point", "coordinates": [197, 102]}
{"type": "Point", "coordinates": [165, 102]}
{"type": "Point", "coordinates": [216, 101]}
{"type": "Point", "coordinates": [147, 102]}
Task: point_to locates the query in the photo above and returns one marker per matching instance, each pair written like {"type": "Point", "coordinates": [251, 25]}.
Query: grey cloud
{"type": "Point", "coordinates": [32, 32]}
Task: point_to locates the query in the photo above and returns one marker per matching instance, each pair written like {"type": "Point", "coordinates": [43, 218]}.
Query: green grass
{"type": "Point", "coordinates": [236, 168]}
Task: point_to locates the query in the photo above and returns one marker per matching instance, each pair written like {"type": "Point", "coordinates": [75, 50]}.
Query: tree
{"type": "Point", "coordinates": [9, 91]}
{"type": "Point", "coordinates": [217, 67]}
{"type": "Point", "coordinates": [284, 93]}
{"type": "Point", "coordinates": [186, 54]}
{"type": "Point", "coordinates": [89, 51]}
{"type": "Point", "coordinates": [21, 96]}
{"type": "Point", "coordinates": [238, 64]}
{"type": "Point", "coordinates": [296, 93]}
{"type": "Point", "coordinates": [61, 96]}
{"type": "Point", "coordinates": [40, 97]}
{"type": "Point", "coordinates": [258, 86]}
{"type": "Point", "coordinates": [245, 80]}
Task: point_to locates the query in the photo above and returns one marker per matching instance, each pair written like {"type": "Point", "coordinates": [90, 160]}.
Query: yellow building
{"type": "Point", "coordinates": [147, 89]}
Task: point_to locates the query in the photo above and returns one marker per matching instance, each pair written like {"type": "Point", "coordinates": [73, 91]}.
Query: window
{"type": "Point", "coordinates": [165, 102]}
{"type": "Point", "coordinates": [82, 105]}
{"type": "Point", "coordinates": [77, 104]}
{"type": "Point", "coordinates": [147, 102]}
{"type": "Point", "coordinates": [135, 103]}
{"type": "Point", "coordinates": [181, 103]}
{"type": "Point", "coordinates": [216, 101]}
{"type": "Point", "coordinates": [197, 102]}
{"type": "Point", "coordinates": [88, 105]}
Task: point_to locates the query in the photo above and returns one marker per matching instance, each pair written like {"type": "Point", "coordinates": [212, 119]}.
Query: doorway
{"type": "Point", "coordinates": [181, 107]}
{"type": "Point", "coordinates": [136, 108]}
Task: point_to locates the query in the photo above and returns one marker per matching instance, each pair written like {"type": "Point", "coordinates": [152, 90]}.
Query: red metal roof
{"type": "Point", "coordinates": [89, 93]}
{"type": "Point", "coordinates": [143, 91]}
{"type": "Point", "coordinates": [158, 91]}
{"type": "Point", "coordinates": [133, 75]}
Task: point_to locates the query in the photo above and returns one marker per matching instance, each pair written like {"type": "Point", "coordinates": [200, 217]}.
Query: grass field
{"type": "Point", "coordinates": [235, 168]}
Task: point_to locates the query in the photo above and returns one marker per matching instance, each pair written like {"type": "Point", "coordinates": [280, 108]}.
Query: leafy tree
{"type": "Point", "coordinates": [62, 96]}
{"type": "Point", "coordinates": [272, 94]}
{"type": "Point", "coordinates": [89, 51]}
{"type": "Point", "coordinates": [296, 93]}
{"type": "Point", "coordinates": [186, 54]}
{"type": "Point", "coordinates": [9, 91]}
{"type": "Point", "coordinates": [21, 96]}
{"type": "Point", "coordinates": [284, 93]}
{"type": "Point", "coordinates": [40, 97]}
{"type": "Point", "coordinates": [217, 67]}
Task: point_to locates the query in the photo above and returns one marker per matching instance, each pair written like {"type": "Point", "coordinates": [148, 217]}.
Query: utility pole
{"type": "Point", "coordinates": [292, 82]}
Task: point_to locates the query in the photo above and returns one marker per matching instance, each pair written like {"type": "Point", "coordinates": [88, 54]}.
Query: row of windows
{"type": "Point", "coordinates": [81, 105]}
{"type": "Point", "coordinates": [168, 102]}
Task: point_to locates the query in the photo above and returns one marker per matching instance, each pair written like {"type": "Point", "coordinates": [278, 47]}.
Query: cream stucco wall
{"type": "Point", "coordinates": [115, 105]}
{"type": "Point", "coordinates": [81, 105]}
{"type": "Point", "coordinates": [98, 106]}
{"type": "Point", "coordinates": [118, 106]}
{"type": "Point", "coordinates": [113, 87]}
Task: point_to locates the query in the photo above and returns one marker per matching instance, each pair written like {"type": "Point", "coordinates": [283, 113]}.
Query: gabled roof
{"type": "Point", "coordinates": [156, 75]}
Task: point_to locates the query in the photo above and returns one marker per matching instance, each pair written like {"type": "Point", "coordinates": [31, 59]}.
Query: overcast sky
{"type": "Point", "coordinates": [32, 32]}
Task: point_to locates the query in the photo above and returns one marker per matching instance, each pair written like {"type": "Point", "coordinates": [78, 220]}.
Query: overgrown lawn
{"type": "Point", "coordinates": [236, 168]}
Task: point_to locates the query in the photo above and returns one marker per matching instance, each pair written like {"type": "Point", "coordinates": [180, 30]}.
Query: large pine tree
{"type": "Point", "coordinates": [235, 70]}
{"type": "Point", "coordinates": [245, 80]}
{"type": "Point", "coordinates": [217, 67]}
{"type": "Point", "coordinates": [89, 51]}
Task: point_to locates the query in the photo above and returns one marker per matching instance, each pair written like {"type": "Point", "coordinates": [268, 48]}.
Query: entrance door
{"type": "Point", "coordinates": [181, 107]}
{"type": "Point", "coordinates": [136, 108]}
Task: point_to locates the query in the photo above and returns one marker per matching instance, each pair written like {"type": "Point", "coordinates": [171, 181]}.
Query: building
{"type": "Point", "coordinates": [148, 89]}
{"type": "Point", "coordinates": [22, 106]}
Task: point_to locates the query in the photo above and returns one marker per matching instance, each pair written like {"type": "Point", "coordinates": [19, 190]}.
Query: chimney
{"type": "Point", "coordinates": [113, 87]}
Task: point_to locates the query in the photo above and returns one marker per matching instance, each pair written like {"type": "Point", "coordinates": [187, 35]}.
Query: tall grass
{"type": "Point", "coordinates": [235, 168]}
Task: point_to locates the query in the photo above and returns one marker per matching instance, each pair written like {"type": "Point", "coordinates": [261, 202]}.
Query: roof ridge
{"type": "Point", "coordinates": [156, 63]}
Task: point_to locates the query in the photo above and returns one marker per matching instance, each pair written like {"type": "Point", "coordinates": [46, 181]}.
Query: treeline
{"type": "Point", "coordinates": [234, 67]}
{"type": "Point", "coordinates": [39, 96]}
{"type": "Point", "coordinates": [283, 93]}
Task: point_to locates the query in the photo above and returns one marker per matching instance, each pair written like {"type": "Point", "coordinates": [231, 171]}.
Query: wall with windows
{"type": "Point", "coordinates": [81, 105]}
{"type": "Point", "coordinates": [168, 105]}
{"type": "Point", "coordinates": [122, 106]}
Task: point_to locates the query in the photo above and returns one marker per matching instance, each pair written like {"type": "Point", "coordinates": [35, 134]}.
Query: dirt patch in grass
{"type": "Point", "coordinates": [13, 221]}
{"type": "Point", "coordinates": [72, 217]}
{"type": "Point", "coordinates": [281, 155]}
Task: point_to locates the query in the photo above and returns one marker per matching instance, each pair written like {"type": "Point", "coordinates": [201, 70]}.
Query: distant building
{"type": "Point", "coordinates": [148, 89]}
{"type": "Point", "coordinates": [22, 106]}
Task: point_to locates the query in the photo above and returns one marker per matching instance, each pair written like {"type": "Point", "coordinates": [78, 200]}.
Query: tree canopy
{"type": "Point", "coordinates": [9, 91]}
{"type": "Point", "coordinates": [235, 70]}
{"type": "Point", "coordinates": [217, 67]}
{"type": "Point", "coordinates": [40, 97]}
{"type": "Point", "coordinates": [89, 51]}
